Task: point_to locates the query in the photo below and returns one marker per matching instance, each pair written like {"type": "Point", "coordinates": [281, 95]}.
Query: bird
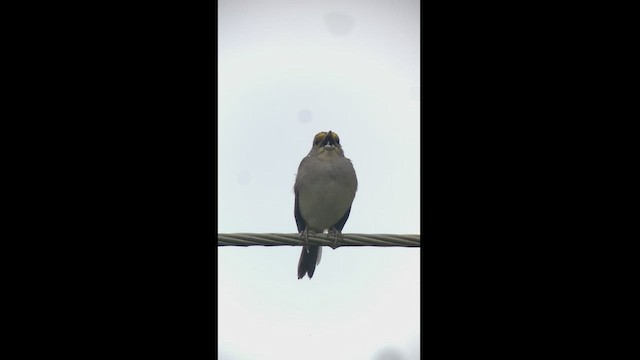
{"type": "Point", "coordinates": [325, 187]}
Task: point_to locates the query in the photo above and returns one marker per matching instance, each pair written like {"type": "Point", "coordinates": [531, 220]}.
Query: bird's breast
{"type": "Point", "coordinates": [327, 194]}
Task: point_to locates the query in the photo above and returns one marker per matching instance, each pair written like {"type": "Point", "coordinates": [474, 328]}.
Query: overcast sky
{"type": "Point", "coordinates": [287, 70]}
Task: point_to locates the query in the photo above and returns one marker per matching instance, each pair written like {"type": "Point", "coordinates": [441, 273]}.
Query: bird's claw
{"type": "Point", "coordinates": [304, 235]}
{"type": "Point", "coordinates": [336, 233]}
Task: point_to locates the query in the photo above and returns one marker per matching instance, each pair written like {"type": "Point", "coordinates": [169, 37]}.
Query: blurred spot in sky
{"type": "Point", "coordinates": [414, 93]}
{"type": "Point", "coordinates": [388, 353]}
{"type": "Point", "coordinates": [304, 116]}
{"type": "Point", "coordinates": [244, 178]}
{"type": "Point", "coordinates": [338, 23]}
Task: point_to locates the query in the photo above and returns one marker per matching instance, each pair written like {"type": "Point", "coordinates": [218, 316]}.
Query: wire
{"type": "Point", "coordinates": [251, 239]}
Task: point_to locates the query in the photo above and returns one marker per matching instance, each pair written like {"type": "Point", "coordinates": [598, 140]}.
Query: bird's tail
{"type": "Point", "coordinates": [309, 260]}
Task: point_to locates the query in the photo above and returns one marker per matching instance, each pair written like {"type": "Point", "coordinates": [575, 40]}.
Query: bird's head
{"type": "Point", "coordinates": [327, 144]}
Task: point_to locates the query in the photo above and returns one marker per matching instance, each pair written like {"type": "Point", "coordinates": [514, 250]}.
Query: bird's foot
{"type": "Point", "coordinates": [304, 235]}
{"type": "Point", "coordinates": [335, 233]}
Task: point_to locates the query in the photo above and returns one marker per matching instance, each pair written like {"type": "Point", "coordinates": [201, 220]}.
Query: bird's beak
{"type": "Point", "coordinates": [328, 139]}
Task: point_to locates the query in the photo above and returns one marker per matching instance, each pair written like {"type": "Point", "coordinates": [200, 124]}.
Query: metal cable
{"type": "Point", "coordinates": [250, 239]}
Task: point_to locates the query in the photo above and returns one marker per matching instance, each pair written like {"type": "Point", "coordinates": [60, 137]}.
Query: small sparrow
{"type": "Point", "coordinates": [325, 187]}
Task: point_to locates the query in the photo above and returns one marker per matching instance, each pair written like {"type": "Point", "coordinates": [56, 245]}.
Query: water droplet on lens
{"type": "Point", "coordinates": [338, 23]}
{"type": "Point", "coordinates": [244, 178]}
{"type": "Point", "coordinates": [304, 116]}
{"type": "Point", "coordinates": [414, 93]}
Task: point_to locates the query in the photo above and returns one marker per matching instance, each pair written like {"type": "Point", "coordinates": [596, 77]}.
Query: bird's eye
{"type": "Point", "coordinates": [319, 137]}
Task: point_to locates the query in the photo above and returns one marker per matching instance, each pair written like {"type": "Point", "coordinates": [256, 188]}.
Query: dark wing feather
{"type": "Point", "coordinates": [340, 224]}
{"type": "Point", "coordinates": [296, 212]}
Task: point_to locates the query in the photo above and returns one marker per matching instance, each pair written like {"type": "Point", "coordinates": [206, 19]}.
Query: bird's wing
{"type": "Point", "coordinates": [340, 224]}
{"type": "Point", "coordinates": [296, 212]}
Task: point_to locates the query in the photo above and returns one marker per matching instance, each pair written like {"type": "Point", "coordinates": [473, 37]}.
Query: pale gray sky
{"type": "Point", "coordinates": [287, 70]}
